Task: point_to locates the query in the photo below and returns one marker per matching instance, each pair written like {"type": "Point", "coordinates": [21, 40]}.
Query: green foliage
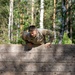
{"type": "Point", "coordinates": [24, 7]}
{"type": "Point", "coordinates": [55, 41]}
{"type": "Point", "coordinates": [21, 41]}
{"type": "Point", "coordinates": [48, 14]}
{"type": "Point", "coordinates": [3, 21]}
{"type": "Point", "coordinates": [26, 26]}
{"type": "Point", "coordinates": [66, 39]}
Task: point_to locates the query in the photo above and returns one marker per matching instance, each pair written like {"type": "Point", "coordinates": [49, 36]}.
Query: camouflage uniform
{"type": "Point", "coordinates": [40, 37]}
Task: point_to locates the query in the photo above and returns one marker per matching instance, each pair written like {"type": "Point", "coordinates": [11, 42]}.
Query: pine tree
{"type": "Point", "coordinates": [54, 17]}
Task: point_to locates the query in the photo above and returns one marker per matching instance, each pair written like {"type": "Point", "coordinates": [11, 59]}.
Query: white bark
{"type": "Point", "coordinates": [32, 23]}
{"type": "Point", "coordinates": [10, 25]}
{"type": "Point", "coordinates": [41, 13]}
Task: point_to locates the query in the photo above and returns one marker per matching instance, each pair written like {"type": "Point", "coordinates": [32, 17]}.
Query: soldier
{"type": "Point", "coordinates": [36, 37]}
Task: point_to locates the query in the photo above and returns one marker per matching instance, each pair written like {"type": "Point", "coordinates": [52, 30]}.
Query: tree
{"type": "Point", "coordinates": [41, 13]}
{"type": "Point", "coordinates": [70, 18]}
{"type": "Point", "coordinates": [62, 20]}
{"type": "Point", "coordinates": [26, 12]}
{"type": "Point", "coordinates": [32, 15]}
{"type": "Point", "coordinates": [54, 17]}
{"type": "Point", "coordinates": [10, 25]}
{"type": "Point", "coordinates": [4, 21]}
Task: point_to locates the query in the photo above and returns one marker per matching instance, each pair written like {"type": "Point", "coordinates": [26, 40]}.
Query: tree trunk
{"type": "Point", "coordinates": [10, 25]}
{"type": "Point", "coordinates": [54, 15]}
{"type": "Point", "coordinates": [67, 17]}
{"type": "Point", "coordinates": [70, 15]}
{"type": "Point", "coordinates": [63, 20]}
{"type": "Point", "coordinates": [41, 13]}
{"type": "Point", "coordinates": [21, 17]}
{"type": "Point", "coordinates": [32, 16]}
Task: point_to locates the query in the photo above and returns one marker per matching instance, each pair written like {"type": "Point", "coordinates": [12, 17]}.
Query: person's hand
{"type": "Point", "coordinates": [47, 44]}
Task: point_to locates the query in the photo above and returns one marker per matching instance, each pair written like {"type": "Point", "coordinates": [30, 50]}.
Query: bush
{"type": "Point", "coordinates": [66, 39]}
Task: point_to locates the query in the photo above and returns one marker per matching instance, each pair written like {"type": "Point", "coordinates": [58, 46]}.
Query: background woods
{"type": "Point", "coordinates": [17, 15]}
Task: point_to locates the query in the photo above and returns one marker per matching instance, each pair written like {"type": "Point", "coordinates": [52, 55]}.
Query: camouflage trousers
{"type": "Point", "coordinates": [29, 46]}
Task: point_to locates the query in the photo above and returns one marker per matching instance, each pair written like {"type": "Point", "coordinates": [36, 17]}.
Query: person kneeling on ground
{"type": "Point", "coordinates": [36, 37]}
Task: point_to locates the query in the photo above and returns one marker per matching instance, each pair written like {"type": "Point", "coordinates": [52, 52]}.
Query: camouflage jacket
{"type": "Point", "coordinates": [40, 37]}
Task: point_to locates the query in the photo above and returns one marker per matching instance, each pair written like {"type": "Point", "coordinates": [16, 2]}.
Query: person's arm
{"type": "Point", "coordinates": [46, 32]}
{"type": "Point", "coordinates": [23, 36]}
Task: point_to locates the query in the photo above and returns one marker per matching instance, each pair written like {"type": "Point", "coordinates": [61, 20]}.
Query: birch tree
{"type": "Point", "coordinates": [32, 15]}
{"type": "Point", "coordinates": [41, 13]}
{"type": "Point", "coordinates": [10, 25]}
